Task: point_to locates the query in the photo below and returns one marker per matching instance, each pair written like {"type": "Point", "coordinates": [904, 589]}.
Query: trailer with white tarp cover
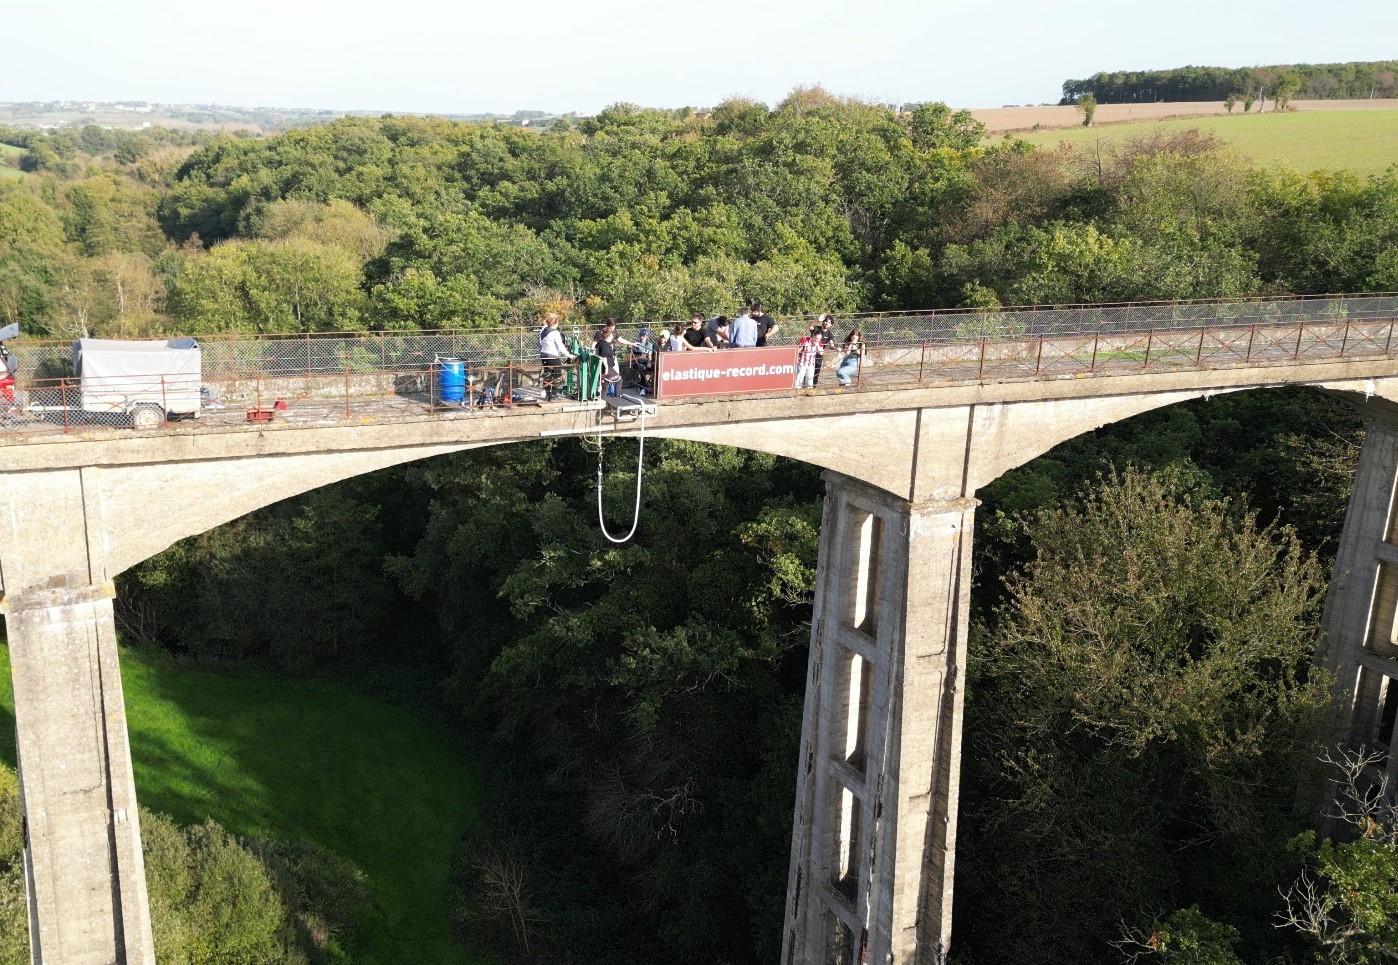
{"type": "Point", "coordinates": [147, 381]}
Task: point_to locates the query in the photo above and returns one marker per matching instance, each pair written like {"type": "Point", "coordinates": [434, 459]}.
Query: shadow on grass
{"type": "Point", "coordinates": [8, 752]}
{"type": "Point", "coordinates": [273, 756]}
{"type": "Point", "coordinates": [280, 757]}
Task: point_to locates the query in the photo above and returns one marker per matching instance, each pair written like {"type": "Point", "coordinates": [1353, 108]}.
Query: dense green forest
{"type": "Point", "coordinates": [639, 706]}
{"type": "Point", "coordinates": [1358, 79]}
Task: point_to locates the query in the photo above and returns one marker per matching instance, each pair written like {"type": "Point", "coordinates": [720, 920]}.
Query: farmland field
{"type": "Point", "coordinates": [9, 161]}
{"type": "Point", "coordinates": [1364, 141]}
{"type": "Point", "coordinates": [997, 120]}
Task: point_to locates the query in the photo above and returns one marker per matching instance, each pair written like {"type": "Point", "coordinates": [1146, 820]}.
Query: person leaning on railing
{"type": "Point", "coordinates": [552, 353]}
{"type": "Point", "coordinates": [854, 355]}
{"type": "Point", "coordinates": [809, 352]}
{"type": "Point", "coordinates": [696, 337]}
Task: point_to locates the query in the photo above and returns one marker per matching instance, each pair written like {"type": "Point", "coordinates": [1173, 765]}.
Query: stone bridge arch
{"type": "Point", "coordinates": [874, 835]}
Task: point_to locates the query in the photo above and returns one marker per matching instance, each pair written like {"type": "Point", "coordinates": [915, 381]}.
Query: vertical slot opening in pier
{"type": "Point", "coordinates": [847, 866]}
{"type": "Point", "coordinates": [839, 942]}
{"type": "Point", "coordinates": [1375, 712]}
{"type": "Point", "coordinates": [859, 686]}
{"type": "Point", "coordinates": [866, 539]}
{"type": "Point", "coordinates": [1384, 607]}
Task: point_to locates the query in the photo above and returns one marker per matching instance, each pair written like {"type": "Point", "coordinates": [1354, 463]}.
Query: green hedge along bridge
{"type": "Point", "coordinates": [944, 403]}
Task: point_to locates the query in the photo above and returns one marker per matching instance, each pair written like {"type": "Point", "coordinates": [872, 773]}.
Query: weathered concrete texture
{"type": "Point", "coordinates": [876, 810]}
{"type": "Point", "coordinates": [1359, 643]}
{"type": "Point", "coordinates": [83, 862]}
{"type": "Point", "coordinates": [160, 504]}
{"type": "Point", "coordinates": [875, 826]}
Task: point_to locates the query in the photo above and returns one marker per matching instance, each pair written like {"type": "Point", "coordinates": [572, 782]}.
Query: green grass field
{"type": "Point", "coordinates": [1363, 141]}
{"type": "Point", "coordinates": [9, 161]}
{"type": "Point", "coordinates": [282, 757]}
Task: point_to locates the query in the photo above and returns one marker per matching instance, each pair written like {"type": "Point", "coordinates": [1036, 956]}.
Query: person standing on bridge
{"type": "Point", "coordinates": [674, 340]}
{"type": "Point", "coordinates": [605, 347]}
{"type": "Point", "coordinates": [716, 333]}
{"type": "Point", "coordinates": [9, 365]}
{"type": "Point", "coordinates": [766, 324]}
{"type": "Point", "coordinates": [552, 352]}
{"type": "Point", "coordinates": [743, 332]}
{"type": "Point", "coordinates": [854, 355]}
{"type": "Point", "coordinates": [808, 353]}
{"type": "Point", "coordinates": [826, 324]}
{"type": "Point", "coordinates": [695, 336]}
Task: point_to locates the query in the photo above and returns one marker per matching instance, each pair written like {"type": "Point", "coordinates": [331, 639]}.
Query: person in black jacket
{"type": "Point", "coordinates": [827, 341]}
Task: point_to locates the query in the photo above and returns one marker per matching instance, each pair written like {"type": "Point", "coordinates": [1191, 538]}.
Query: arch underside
{"type": "Point", "coordinates": [920, 454]}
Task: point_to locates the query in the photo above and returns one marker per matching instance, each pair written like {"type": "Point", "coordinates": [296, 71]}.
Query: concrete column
{"type": "Point", "coordinates": [1360, 635]}
{"type": "Point", "coordinates": [875, 825]}
{"type": "Point", "coordinates": [83, 863]}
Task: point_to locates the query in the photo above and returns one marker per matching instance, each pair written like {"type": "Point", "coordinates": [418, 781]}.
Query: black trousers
{"type": "Point", "coordinates": [552, 376]}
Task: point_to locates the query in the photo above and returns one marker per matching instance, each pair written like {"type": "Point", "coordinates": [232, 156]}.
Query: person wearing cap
{"type": "Point", "coordinates": [640, 356]}
{"type": "Point", "coordinates": [743, 330]}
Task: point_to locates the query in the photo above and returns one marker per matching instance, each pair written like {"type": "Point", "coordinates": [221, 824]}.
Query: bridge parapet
{"type": "Point", "coordinates": [357, 378]}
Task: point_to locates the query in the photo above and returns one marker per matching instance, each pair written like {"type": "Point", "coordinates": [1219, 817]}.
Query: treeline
{"type": "Point", "coordinates": [72, 152]}
{"type": "Point", "coordinates": [1357, 79]}
{"type": "Point", "coordinates": [818, 204]}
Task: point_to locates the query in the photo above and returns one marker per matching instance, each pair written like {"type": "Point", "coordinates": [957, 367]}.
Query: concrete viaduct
{"type": "Point", "coordinates": [875, 814]}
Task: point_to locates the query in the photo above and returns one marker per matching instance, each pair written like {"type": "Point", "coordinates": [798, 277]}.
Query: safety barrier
{"type": "Point", "coordinates": [322, 379]}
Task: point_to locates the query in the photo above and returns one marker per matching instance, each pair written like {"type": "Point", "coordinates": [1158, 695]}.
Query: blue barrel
{"type": "Point", "coordinates": [453, 379]}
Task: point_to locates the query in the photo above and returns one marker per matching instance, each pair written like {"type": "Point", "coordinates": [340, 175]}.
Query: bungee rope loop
{"type": "Point", "coordinates": [640, 471]}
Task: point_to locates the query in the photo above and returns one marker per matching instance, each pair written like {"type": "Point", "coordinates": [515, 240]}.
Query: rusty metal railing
{"type": "Point", "coordinates": [324, 379]}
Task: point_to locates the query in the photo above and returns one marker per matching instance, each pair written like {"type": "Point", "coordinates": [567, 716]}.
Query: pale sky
{"type": "Point", "coordinates": [435, 56]}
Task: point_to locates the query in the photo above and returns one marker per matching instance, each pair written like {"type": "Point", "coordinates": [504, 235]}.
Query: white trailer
{"type": "Point", "coordinates": [144, 381]}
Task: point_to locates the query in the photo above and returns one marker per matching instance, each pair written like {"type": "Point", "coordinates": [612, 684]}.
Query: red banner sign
{"type": "Point", "coordinates": [680, 375]}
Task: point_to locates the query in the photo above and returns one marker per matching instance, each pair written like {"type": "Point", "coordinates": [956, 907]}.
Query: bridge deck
{"type": "Point", "coordinates": [385, 377]}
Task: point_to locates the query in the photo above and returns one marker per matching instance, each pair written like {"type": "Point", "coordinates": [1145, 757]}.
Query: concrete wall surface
{"type": "Point", "coordinates": [873, 846]}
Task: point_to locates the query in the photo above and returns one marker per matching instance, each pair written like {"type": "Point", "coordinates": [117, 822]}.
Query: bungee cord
{"type": "Point", "coordinates": [640, 471]}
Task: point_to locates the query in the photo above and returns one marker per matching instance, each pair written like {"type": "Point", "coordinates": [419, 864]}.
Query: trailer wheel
{"type": "Point", "coordinates": [147, 417]}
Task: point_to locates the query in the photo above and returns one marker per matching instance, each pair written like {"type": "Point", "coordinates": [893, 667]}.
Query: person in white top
{"type": "Point", "coordinates": [552, 353]}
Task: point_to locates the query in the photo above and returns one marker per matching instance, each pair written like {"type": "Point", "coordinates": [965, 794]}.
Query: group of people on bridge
{"type": "Point", "coordinates": [752, 327]}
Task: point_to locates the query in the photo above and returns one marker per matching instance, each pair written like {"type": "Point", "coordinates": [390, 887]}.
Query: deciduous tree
{"type": "Point", "coordinates": [1160, 642]}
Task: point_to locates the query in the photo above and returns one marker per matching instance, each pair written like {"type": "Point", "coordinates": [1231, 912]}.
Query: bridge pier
{"type": "Point", "coordinates": [875, 824]}
{"type": "Point", "coordinates": [84, 868]}
{"type": "Point", "coordinates": [1360, 641]}
{"type": "Point", "coordinates": [83, 862]}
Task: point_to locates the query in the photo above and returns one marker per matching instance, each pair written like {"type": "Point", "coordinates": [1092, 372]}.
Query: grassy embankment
{"type": "Point", "coordinates": [289, 758]}
{"type": "Point", "coordinates": [9, 161]}
{"type": "Point", "coordinates": [1362, 141]}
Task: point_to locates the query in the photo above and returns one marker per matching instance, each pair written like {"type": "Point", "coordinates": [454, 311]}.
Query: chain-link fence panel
{"type": "Point", "coordinates": [327, 377]}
